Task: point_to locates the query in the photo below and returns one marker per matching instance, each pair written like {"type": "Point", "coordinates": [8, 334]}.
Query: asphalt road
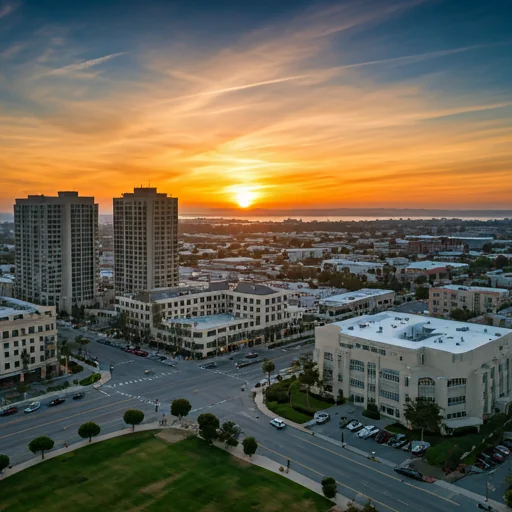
{"type": "Point", "coordinates": [220, 391]}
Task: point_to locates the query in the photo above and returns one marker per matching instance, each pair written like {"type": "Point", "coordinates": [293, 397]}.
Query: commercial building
{"type": "Point", "coordinates": [498, 278]}
{"type": "Point", "coordinates": [300, 254]}
{"type": "Point", "coordinates": [145, 241]}
{"type": "Point", "coordinates": [207, 320]}
{"type": "Point", "coordinates": [56, 250]}
{"type": "Point", "coordinates": [371, 269]}
{"type": "Point", "coordinates": [479, 299]}
{"type": "Point", "coordinates": [29, 338]}
{"type": "Point", "coordinates": [360, 302]}
{"type": "Point", "coordinates": [390, 357]}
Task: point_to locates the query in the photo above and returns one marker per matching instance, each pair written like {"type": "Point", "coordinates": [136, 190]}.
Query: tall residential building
{"type": "Point", "coordinates": [145, 241]}
{"type": "Point", "coordinates": [56, 250]}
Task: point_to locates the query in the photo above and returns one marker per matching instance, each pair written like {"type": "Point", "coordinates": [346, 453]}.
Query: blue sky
{"type": "Point", "coordinates": [350, 103]}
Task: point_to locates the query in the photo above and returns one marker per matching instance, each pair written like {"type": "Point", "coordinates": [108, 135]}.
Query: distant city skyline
{"type": "Point", "coordinates": [296, 105]}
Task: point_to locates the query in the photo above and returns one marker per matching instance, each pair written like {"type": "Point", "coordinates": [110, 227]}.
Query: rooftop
{"type": "Point", "coordinates": [485, 289]}
{"type": "Point", "coordinates": [414, 332]}
{"type": "Point", "coordinates": [207, 322]}
{"type": "Point", "coordinates": [430, 265]}
{"type": "Point", "coordinates": [349, 297]}
{"type": "Point", "coordinates": [10, 306]}
{"type": "Point", "coordinates": [341, 261]}
{"type": "Point", "coordinates": [254, 289]}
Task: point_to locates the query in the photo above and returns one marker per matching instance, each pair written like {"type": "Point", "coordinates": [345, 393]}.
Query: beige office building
{"type": "Point", "coordinates": [145, 241]}
{"type": "Point", "coordinates": [390, 357]}
{"type": "Point", "coordinates": [479, 299]}
{"type": "Point", "coordinates": [29, 341]}
{"type": "Point", "coordinates": [56, 250]}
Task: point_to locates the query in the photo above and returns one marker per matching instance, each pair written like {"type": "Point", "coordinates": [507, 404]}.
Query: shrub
{"type": "Point", "coordinates": [329, 487]}
{"type": "Point", "coordinates": [59, 387]}
{"type": "Point", "coordinates": [371, 414]}
{"type": "Point", "coordinates": [508, 497]}
{"type": "Point", "coordinates": [282, 397]}
{"type": "Point", "coordinates": [303, 410]}
{"type": "Point", "coordinates": [340, 399]}
{"type": "Point", "coordinates": [453, 459]}
{"type": "Point", "coordinates": [77, 368]}
{"type": "Point", "coordinates": [95, 377]}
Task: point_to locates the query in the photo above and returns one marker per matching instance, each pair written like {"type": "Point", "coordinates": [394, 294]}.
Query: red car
{"type": "Point", "coordinates": [7, 411]}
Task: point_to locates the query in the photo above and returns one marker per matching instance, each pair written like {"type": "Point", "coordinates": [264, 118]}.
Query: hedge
{"type": "Point", "coordinates": [95, 377]}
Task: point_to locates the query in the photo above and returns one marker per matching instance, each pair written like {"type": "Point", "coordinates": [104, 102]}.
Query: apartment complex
{"type": "Point", "coordinates": [209, 320]}
{"type": "Point", "coordinates": [391, 357]}
{"type": "Point", "coordinates": [29, 339]}
{"type": "Point", "coordinates": [56, 250]}
{"type": "Point", "coordinates": [145, 241]}
{"type": "Point", "coordinates": [479, 299]}
{"type": "Point", "coordinates": [360, 302]}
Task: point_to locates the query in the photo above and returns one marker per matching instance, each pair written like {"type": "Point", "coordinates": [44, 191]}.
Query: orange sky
{"type": "Point", "coordinates": [274, 120]}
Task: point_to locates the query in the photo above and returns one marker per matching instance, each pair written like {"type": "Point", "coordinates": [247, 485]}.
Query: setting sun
{"type": "Point", "coordinates": [244, 198]}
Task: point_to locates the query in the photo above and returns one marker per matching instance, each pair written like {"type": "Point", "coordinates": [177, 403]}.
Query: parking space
{"type": "Point", "coordinates": [332, 429]}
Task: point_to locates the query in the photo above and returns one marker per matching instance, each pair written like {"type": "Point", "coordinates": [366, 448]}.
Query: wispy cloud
{"type": "Point", "coordinates": [7, 8]}
{"type": "Point", "coordinates": [84, 65]}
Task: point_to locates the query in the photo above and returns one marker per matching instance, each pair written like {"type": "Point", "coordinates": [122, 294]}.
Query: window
{"type": "Point", "coordinates": [457, 400]}
{"type": "Point", "coordinates": [456, 382]}
{"type": "Point", "coordinates": [357, 365]}
{"type": "Point", "coordinates": [390, 395]}
{"type": "Point", "coordinates": [357, 383]}
{"type": "Point", "coordinates": [372, 370]}
{"type": "Point", "coordinates": [426, 388]}
{"type": "Point", "coordinates": [392, 375]}
{"type": "Point", "coordinates": [327, 356]}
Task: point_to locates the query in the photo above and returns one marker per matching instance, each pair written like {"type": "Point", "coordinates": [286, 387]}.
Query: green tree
{"type": "Point", "coordinates": [180, 407]}
{"type": "Point", "coordinates": [40, 445]}
{"type": "Point", "coordinates": [133, 417]}
{"type": "Point", "coordinates": [4, 462]}
{"type": "Point", "coordinates": [461, 315]}
{"type": "Point", "coordinates": [423, 414]}
{"type": "Point", "coordinates": [421, 293]}
{"type": "Point", "coordinates": [501, 261]}
{"type": "Point", "coordinates": [228, 433]}
{"type": "Point", "coordinates": [454, 458]}
{"type": "Point", "coordinates": [329, 487]}
{"type": "Point", "coordinates": [250, 446]}
{"type": "Point", "coordinates": [89, 430]}
{"type": "Point", "coordinates": [309, 376]}
{"type": "Point", "coordinates": [508, 497]}
{"type": "Point", "coordinates": [208, 425]}
{"type": "Point", "coordinates": [268, 367]}
{"type": "Point", "coordinates": [82, 341]}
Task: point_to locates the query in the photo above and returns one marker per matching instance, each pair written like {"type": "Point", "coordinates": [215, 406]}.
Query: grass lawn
{"type": "Point", "coordinates": [287, 412]}
{"type": "Point", "coordinates": [140, 472]}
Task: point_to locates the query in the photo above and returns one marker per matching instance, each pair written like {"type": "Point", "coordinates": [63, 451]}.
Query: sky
{"type": "Point", "coordinates": [259, 104]}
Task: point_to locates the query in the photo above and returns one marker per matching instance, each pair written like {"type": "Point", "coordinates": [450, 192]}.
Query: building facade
{"type": "Point", "coordinates": [390, 357]}
{"type": "Point", "coordinates": [29, 341]}
{"type": "Point", "coordinates": [214, 319]}
{"type": "Point", "coordinates": [56, 250]}
{"type": "Point", "coordinates": [145, 241]}
{"type": "Point", "coordinates": [478, 299]}
{"type": "Point", "coordinates": [360, 302]}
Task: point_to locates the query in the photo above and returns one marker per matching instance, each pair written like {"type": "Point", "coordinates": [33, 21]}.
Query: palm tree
{"type": "Point", "coordinates": [65, 351]}
{"type": "Point", "coordinates": [268, 367]}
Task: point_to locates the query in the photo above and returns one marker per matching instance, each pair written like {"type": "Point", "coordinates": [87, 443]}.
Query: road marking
{"type": "Point", "coordinates": [212, 405]}
{"type": "Point", "coordinates": [377, 470]}
{"type": "Point", "coordinates": [102, 392]}
{"type": "Point", "coordinates": [62, 419]}
{"type": "Point", "coordinates": [322, 475]}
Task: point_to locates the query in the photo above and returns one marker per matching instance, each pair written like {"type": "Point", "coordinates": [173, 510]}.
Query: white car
{"type": "Point", "coordinates": [278, 423]}
{"type": "Point", "coordinates": [321, 417]}
{"type": "Point", "coordinates": [354, 426]}
{"type": "Point", "coordinates": [368, 431]}
{"type": "Point", "coordinates": [33, 407]}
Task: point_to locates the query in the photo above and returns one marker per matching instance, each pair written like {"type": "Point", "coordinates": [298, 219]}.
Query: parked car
{"type": "Point", "coordinates": [321, 417]}
{"type": "Point", "coordinates": [487, 459]}
{"type": "Point", "coordinates": [503, 450]}
{"type": "Point", "coordinates": [397, 441]}
{"type": "Point", "coordinates": [78, 396]}
{"type": "Point", "coordinates": [497, 456]}
{"type": "Point", "coordinates": [507, 443]}
{"type": "Point", "coordinates": [482, 465]}
{"type": "Point", "coordinates": [278, 423]}
{"type": "Point", "coordinates": [383, 437]}
{"type": "Point", "coordinates": [355, 426]}
{"type": "Point", "coordinates": [56, 401]}
{"type": "Point", "coordinates": [419, 449]}
{"type": "Point", "coordinates": [251, 355]}
{"type": "Point", "coordinates": [7, 411]}
{"type": "Point", "coordinates": [368, 432]}
{"type": "Point", "coordinates": [34, 406]}
{"type": "Point", "coordinates": [413, 473]}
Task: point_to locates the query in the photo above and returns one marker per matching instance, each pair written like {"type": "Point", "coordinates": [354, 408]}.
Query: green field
{"type": "Point", "coordinates": [140, 472]}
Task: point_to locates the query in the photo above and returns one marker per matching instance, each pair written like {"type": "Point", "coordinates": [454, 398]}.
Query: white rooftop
{"type": "Point", "coordinates": [349, 297]}
{"type": "Point", "coordinates": [430, 265]}
{"type": "Point", "coordinates": [414, 332]}
{"type": "Point", "coordinates": [487, 289]}
{"type": "Point", "coordinates": [10, 306]}
{"type": "Point", "coordinates": [354, 263]}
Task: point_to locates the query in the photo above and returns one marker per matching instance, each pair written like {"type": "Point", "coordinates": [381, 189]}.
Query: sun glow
{"type": "Point", "coordinates": [244, 197]}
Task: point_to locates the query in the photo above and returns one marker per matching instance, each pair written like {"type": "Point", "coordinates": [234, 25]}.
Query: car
{"type": "Point", "coordinates": [413, 473]}
{"type": "Point", "coordinates": [383, 437]}
{"type": "Point", "coordinates": [503, 450]}
{"type": "Point", "coordinates": [251, 355]}
{"type": "Point", "coordinates": [78, 396]}
{"type": "Point", "coordinates": [507, 443]}
{"type": "Point", "coordinates": [321, 417]}
{"type": "Point", "coordinates": [355, 426]}
{"type": "Point", "coordinates": [419, 449]}
{"type": "Point", "coordinates": [368, 431]}
{"type": "Point", "coordinates": [57, 401]}
{"type": "Point", "coordinates": [397, 441]}
{"type": "Point", "coordinates": [7, 411]}
{"type": "Point", "coordinates": [498, 457]}
{"type": "Point", "coordinates": [34, 406]}
{"type": "Point", "coordinates": [482, 465]}
{"type": "Point", "coordinates": [278, 423]}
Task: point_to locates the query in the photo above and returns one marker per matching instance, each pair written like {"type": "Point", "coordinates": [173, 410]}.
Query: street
{"type": "Point", "coordinates": [219, 391]}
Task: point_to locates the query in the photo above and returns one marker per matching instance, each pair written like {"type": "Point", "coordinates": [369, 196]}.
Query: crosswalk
{"type": "Point", "coordinates": [142, 379]}
{"type": "Point", "coordinates": [142, 399]}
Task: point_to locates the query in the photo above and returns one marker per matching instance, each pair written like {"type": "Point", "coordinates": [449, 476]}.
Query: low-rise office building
{"type": "Point", "coordinates": [390, 357]}
{"type": "Point", "coordinates": [371, 269]}
{"type": "Point", "coordinates": [360, 302]}
{"type": "Point", "coordinates": [29, 339]}
{"type": "Point", "coordinates": [500, 279]}
{"type": "Point", "coordinates": [479, 299]}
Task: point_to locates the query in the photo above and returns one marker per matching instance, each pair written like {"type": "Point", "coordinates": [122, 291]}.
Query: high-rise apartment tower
{"type": "Point", "coordinates": [56, 250]}
{"type": "Point", "coordinates": [145, 241]}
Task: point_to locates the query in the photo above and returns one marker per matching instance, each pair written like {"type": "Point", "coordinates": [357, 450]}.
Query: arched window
{"type": "Point", "coordinates": [427, 388]}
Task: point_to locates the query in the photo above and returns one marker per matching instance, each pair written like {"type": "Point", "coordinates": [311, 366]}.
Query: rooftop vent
{"type": "Point", "coordinates": [441, 341]}
{"type": "Point", "coordinates": [461, 339]}
{"type": "Point", "coordinates": [457, 343]}
{"type": "Point", "coordinates": [380, 329]}
{"type": "Point", "coordinates": [497, 334]}
{"type": "Point", "coordinates": [351, 328]}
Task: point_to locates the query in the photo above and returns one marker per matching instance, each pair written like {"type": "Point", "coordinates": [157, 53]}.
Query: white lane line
{"type": "Point", "coordinates": [103, 392]}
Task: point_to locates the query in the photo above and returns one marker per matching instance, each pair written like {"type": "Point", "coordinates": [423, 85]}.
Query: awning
{"type": "Point", "coordinates": [468, 421]}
